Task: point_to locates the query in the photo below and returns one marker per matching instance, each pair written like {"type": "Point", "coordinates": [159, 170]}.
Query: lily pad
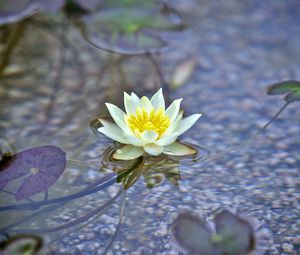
{"type": "Point", "coordinates": [193, 234]}
{"type": "Point", "coordinates": [16, 10]}
{"type": "Point", "coordinates": [227, 234]}
{"type": "Point", "coordinates": [22, 244]}
{"type": "Point", "coordinates": [236, 234]}
{"type": "Point", "coordinates": [130, 27]}
{"type": "Point", "coordinates": [289, 87]}
{"type": "Point", "coordinates": [42, 165]}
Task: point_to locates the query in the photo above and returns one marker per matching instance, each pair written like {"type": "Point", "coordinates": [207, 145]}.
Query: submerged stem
{"type": "Point", "coordinates": [99, 210]}
{"type": "Point", "coordinates": [122, 210]}
{"type": "Point", "coordinates": [251, 139]}
{"type": "Point", "coordinates": [104, 182]}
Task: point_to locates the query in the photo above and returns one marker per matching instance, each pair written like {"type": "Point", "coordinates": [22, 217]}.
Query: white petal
{"type": "Point", "coordinates": [119, 116]}
{"type": "Point", "coordinates": [166, 140]}
{"type": "Point", "coordinates": [175, 123]}
{"type": "Point", "coordinates": [153, 149]}
{"type": "Point", "coordinates": [173, 110]}
{"type": "Point", "coordinates": [186, 124]}
{"type": "Point", "coordinates": [135, 140]}
{"type": "Point", "coordinates": [149, 136]}
{"type": "Point", "coordinates": [145, 104]}
{"type": "Point", "coordinates": [130, 104]}
{"type": "Point", "coordinates": [128, 152]}
{"type": "Point", "coordinates": [178, 149]}
{"type": "Point", "coordinates": [158, 100]}
{"type": "Point", "coordinates": [114, 132]}
{"type": "Point", "coordinates": [134, 97]}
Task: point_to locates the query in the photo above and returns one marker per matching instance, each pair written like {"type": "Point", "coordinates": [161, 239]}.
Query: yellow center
{"type": "Point", "coordinates": [156, 120]}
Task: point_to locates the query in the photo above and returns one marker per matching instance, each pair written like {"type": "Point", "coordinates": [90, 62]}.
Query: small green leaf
{"type": "Point", "coordinates": [292, 97]}
{"type": "Point", "coordinates": [236, 235]}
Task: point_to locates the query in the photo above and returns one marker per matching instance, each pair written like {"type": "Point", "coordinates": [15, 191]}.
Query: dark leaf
{"type": "Point", "coordinates": [90, 4]}
{"type": "Point", "coordinates": [236, 235]}
{"type": "Point", "coordinates": [52, 6]}
{"type": "Point", "coordinates": [193, 234]}
{"type": "Point", "coordinates": [22, 244]}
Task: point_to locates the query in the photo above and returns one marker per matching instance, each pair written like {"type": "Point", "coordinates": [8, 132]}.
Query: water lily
{"type": "Point", "coordinates": [148, 127]}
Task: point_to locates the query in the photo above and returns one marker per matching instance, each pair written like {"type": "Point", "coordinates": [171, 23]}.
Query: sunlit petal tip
{"type": "Point", "coordinates": [130, 104]}
{"type": "Point", "coordinates": [186, 123]}
{"type": "Point", "coordinates": [146, 104]}
{"type": "Point", "coordinates": [118, 115]}
{"type": "Point", "coordinates": [128, 152]}
{"type": "Point", "coordinates": [173, 110]}
{"type": "Point", "coordinates": [178, 149]}
{"type": "Point", "coordinates": [158, 100]}
{"type": "Point", "coordinates": [134, 96]}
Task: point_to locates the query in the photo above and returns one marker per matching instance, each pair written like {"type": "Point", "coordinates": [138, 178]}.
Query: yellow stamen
{"type": "Point", "coordinates": [156, 120]}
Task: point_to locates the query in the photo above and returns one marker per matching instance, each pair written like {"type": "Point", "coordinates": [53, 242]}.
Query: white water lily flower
{"type": "Point", "coordinates": [147, 127]}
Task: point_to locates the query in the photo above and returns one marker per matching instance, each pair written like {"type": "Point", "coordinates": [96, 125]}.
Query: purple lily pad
{"type": "Point", "coordinates": [43, 165]}
{"type": "Point", "coordinates": [16, 10]}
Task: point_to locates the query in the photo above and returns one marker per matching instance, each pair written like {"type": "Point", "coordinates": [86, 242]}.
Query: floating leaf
{"type": "Point", "coordinates": [21, 244]}
{"type": "Point", "coordinates": [130, 27]}
{"type": "Point", "coordinates": [193, 234]}
{"type": "Point", "coordinates": [16, 10]}
{"type": "Point", "coordinates": [227, 234]}
{"type": "Point", "coordinates": [43, 165]}
{"type": "Point", "coordinates": [236, 235]}
{"type": "Point", "coordinates": [289, 87]}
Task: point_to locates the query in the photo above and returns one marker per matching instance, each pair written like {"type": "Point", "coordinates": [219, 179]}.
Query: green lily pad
{"type": "Point", "coordinates": [131, 27]}
{"type": "Point", "coordinates": [236, 235]}
{"type": "Point", "coordinates": [289, 87]}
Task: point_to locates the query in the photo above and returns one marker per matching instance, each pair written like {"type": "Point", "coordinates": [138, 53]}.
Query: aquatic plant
{"type": "Point", "coordinates": [147, 127]}
{"type": "Point", "coordinates": [24, 244]}
{"type": "Point", "coordinates": [225, 234]}
{"type": "Point", "coordinates": [143, 28]}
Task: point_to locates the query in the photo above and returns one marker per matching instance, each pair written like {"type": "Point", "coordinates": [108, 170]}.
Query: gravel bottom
{"type": "Point", "coordinates": [240, 48]}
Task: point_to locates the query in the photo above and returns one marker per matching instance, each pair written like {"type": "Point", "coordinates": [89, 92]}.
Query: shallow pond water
{"type": "Point", "coordinates": [57, 83]}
